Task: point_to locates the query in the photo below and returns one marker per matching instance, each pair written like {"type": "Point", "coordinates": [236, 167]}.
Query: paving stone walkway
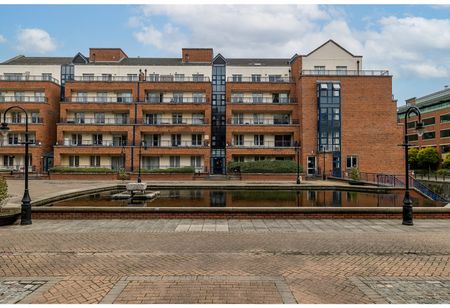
{"type": "Point", "coordinates": [225, 261]}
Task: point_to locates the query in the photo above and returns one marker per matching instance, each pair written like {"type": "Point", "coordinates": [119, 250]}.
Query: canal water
{"type": "Point", "coordinates": [254, 198]}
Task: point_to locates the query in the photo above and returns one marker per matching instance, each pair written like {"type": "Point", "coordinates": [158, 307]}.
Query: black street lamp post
{"type": "Point", "coordinates": [297, 152]}
{"type": "Point", "coordinates": [407, 203]}
{"type": "Point", "coordinates": [25, 218]}
{"type": "Point", "coordinates": [323, 171]}
{"type": "Point", "coordinates": [142, 143]}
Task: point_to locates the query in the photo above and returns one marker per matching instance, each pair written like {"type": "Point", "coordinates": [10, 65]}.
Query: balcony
{"type": "Point", "coordinates": [265, 144]}
{"type": "Point", "coordinates": [345, 73]}
{"type": "Point", "coordinates": [177, 100]}
{"type": "Point", "coordinates": [98, 99]}
{"type": "Point", "coordinates": [135, 78]}
{"type": "Point", "coordinates": [261, 121]}
{"type": "Point", "coordinates": [175, 78]}
{"type": "Point", "coordinates": [22, 120]}
{"type": "Point", "coordinates": [262, 100]}
{"type": "Point", "coordinates": [172, 121]}
{"type": "Point", "coordinates": [20, 77]}
{"type": "Point", "coordinates": [20, 143]}
{"type": "Point", "coordinates": [84, 143]}
{"type": "Point", "coordinates": [19, 168]}
{"type": "Point", "coordinates": [96, 121]}
{"type": "Point", "coordinates": [170, 144]}
{"type": "Point", "coordinates": [23, 99]}
{"type": "Point", "coordinates": [270, 79]}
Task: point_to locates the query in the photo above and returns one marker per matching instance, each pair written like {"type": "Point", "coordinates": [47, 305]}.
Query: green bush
{"type": "Point", "coordinates": [3, 189]}
{"type": "Point", "coordinates": [428, 158]}
{"type": "Point", "coordinates": [446, 162]}
{"type": "Point", "coordinates": [265, 166]}
{"type": "Point", "coordinates": [412, 158]}
{"type": "Point", "coordinates": [354, 174]}
{"type": "Point", "coordinates": [81, 170]}
{"type": "Point", "coordinates": [170, 170]}
{"type": "Point", "coordinates": [443, 172]}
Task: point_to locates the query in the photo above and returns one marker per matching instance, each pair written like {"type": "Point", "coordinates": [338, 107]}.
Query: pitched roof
{"type": "Point", "coordinates": [22, 60]}
{"type": "Point", "coordinates": [331, 41]}
{"type": "Point", "coordinates": [258, 61]}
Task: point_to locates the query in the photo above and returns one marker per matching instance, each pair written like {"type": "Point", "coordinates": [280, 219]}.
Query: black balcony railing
{"type": "Point", "coordinates": [135, 78]}
{"type": "Point", "coordinates": [345, 72]}
{"type": "Point", "coordinates": [96, 121]}
{"type": "Point", "coordinates": [264, 144]}
{"type": "Point", "coordinates": [274, 79]}
{"type": "Point", "coordinates": [177, 100]}
{"type": "Point", "coordinates": [23, 99]}
{"type": "Point", "coordinates": [102, 143]}
{"type": "Point", "coordinates": [262, 100]}
{"type": "Point", "coordinates": [20, 77]}
{"type": "Point", "coordinates": [173, 144]}
{"type": "Point", "coordinates": [262, 121]}
{"type": "Point", "coordinates": [21, 120]}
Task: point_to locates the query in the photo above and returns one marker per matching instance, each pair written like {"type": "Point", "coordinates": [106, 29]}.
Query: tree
{"type": "Point", "coordinates": [446, 162]}
{"type": "Point", "coordinates": [428, 158]}
{"type": "Point", "coordinates": [412, 158]}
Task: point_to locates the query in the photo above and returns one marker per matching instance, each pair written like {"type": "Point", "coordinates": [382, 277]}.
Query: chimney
{"type": "Point", "coordinates": [411, 101]}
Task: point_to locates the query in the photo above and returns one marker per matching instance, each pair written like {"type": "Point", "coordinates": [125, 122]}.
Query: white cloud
{"type": "Point", "coordinates": [35, 40]}
{"type": "Point", "coordinates": [2, 39]}
{"type": "Point", "coordinates": [405, 46]}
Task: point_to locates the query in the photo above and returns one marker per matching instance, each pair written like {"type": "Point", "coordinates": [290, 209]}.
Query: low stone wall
{"type": "Point", "coordinates": [163, 176]}
{"type": "Point", "coordinates": [83, 176]}
{"type": "Point", "coordinates": [235, 213]}
{"type": "Point", "coordinates": [270, 177]}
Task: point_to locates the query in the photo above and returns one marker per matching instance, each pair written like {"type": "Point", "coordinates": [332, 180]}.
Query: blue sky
{"type": "Point", "coordinates": [412, 41]}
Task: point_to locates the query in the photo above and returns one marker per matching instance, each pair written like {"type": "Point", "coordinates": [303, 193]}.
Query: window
{"type": "Point", "coordinates": [76, 139]}
{"type": "Point", "coordinates": [19, 96]}
{"type": "Point", "coordinates": [13, 138]}
{"type": "Point", "coordinates": [256, 78]}
{"type": "Point", "coordinates": [414, 137]}
{"type": "Point", "coordinates": [154, 97]}
{"type": "Point", "coordinates": [281, 119]}
{"type": "Point", "coordinates": [352, 161]}
{"type": "Point", "coordinates": [177, 118]}
{"type": "Point", "coordinates": [39, 97]}
{"type": "Point", "coordinates": [196, 139]}
{"type": "Point", "coordinates": [445, 148]}
{"type": "Point", "coordinates": [81, 97]}
{"type": "Point", "coordinates": [259, 157]}
{"type": "Point", "coordinates": [429, 135]}
{"type": "Point", "coordinates": [174, 161]}
{"type": "Point", "coordinates": [152, 140]}
{"type": "Point", "coordinates": [102, 97]}
{"type": "Point", "coordinates": [106, 77]}
{"type": "Point", "coordinates": [35, 117]}
{"type": "Point", "coordinates": [284, 98]}
{"type": "Point", "coordinates": [239, 159]}
{"type": "Point", "coordinates": [258, 140]}
{"type": "Point", "coordinates": [95, 161]}
{"type": "Point", "coordinates": [8, 160]}
{"type": "Point", "coordinates": [16, 117]}
{"type": "Point", "coordinates": [167, 78]}
{"type": "Point", "coordinates": [121, 118]}
{"type": "Point", "coordinates": [237, 98]}
{"type": "Point", "coordinates": [74, 160]}
{"type": "Point", "coordinates": [237, 78]}
{"type": "Point", "coordinates": [319, 70]}
{"type": "Point", "coordinates": [88, 77]}
{"type": "Point", "coordinates": [198, 97]}
{"type": "Point", "coordinates": [275, 78]}
{"type": "Point", "coordinates": [257, 98]}
{"type": "Point", "coordinates": [178, 97]}
{"type": "Point", "coordinates": [153, 77]}
{"type": "Point", "coordinates": [411, 124]}
{"type": "Point", "coordinates": [153, 118]}
{"type": "Point", "coordinates": [46, 76]}
{"type": "Point", "coordinates": [119, 140]}
{"type": "Point", "coordinates": [428, 121]}
{"type": "Point", "coordinates": [445, 133]}
{"type": "Point", "coordinates": [258, 119]}
{"type": "Point", "coordinates": [150, 162]}
{"type": "Point", "coordinates": [79, 117]}
{"type": "Point", "coordinates": [99, 118]}
{"type": "Point", "coordinates": [176, 140]}
{"type": "Point", "coordinates": [238, 118]}
{"type": "Point", "coordinates": [97, 139]}
{"type": "Point", "coordinates": [282, 140]}
{"type": "Point", "coordinates": [12, 76]}
{"type": "Point", "coordinates": [445, 118]}
{"type": "Point", "coordinates": [341, 70]}
{"type": "Point", "coordinates": [124, 97]}
{"type": "Point", "coordinates": [196, 162]}
{"type": "Point", "coordinates": [132, 77]}
{"type": "Point", "coordinates": [198, 77]}
{"type": "Point", "coordinates": [238, 140]}
{"type": "Point", "coordinates": [179, 77]}
{"type": "Point", "coordinates": [198, 119]}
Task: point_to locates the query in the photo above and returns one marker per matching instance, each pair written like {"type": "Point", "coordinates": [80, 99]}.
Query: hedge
{"type": "Point", "coordinates": [265, 166]}
{"type": "Point", "coordinates": [81, 170]}
{"type": "Point", "coordinates": [3, 189]}
{"type": "Point", "coordinates": [170, 170]}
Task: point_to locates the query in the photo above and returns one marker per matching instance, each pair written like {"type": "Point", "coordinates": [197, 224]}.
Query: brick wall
{"type": "Point", "coordinates": [197, 55]}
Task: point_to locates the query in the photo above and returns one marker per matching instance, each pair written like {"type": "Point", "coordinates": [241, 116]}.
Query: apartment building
{"type": "Point", "coordinates": [435, 111]}
{"type": "Point", "coordinates": [204, 110]}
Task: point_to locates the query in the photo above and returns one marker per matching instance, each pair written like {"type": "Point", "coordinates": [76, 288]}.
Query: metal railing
{"type": "Point", "coordinates": [261, 121]}
{"type": "Point", "coordinates": [172, 121]}
{"type": "Point", "coordinates": [172, 78]}
{"type": "Point", "coordinates": [135, 78]}
{"type": "Point", "coordinates": [173, 144]}
{"type": "Point", "coordinates": [427, 191]}
{"type": "Point", "coordinates": [274, 79]}
{"type": "Point", "coordinates": [20, 142]}
{"type": "Point", "coordinates": [98, 99]}
{"type": "Point", "coordinates": [23, 99]}
{"type": "Point", "coordinates": [146, 167]}
{"type": "Point", "coordinates": [21, 120]}
{"type": "Point", "coordinates": [265, 144]}
{"type": "Point", "coordinates": [20, 77]}
{"type": "Point", "coordinates": [345, 72]}
{"type": "Point", "coordinates": [261, 100]}
{"type": "Point", "coordinates": [177, 100]}
{"type": "Point", "coordinates": [103, 143]}
{"type": "Point", "coordinates": [20, 168]}
{"type": "Point", "coordinates": [96, 121]}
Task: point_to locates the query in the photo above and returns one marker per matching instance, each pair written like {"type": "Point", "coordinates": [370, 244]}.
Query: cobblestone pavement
{"type": "Point", "coordinates": [225, 261]}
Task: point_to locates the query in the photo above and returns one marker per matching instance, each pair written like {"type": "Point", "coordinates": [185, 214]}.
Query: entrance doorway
{"type": "Point", "coordinates": [218, 165]}
{"type": "Point", "coordinates": [312, 169]}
